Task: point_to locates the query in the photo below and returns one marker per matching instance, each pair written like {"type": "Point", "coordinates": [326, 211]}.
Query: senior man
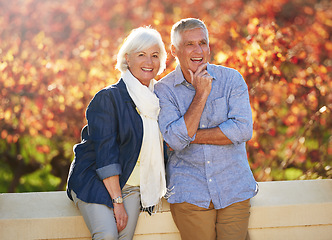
{"type": "Point", "coordinates": [205, 118]}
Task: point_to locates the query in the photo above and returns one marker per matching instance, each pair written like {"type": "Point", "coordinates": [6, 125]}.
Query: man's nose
{"type": "Point", "coordinates": [198, 48]}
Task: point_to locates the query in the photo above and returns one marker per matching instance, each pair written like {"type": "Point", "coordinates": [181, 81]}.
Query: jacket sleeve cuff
{"type": "Point", "coordinates": [109, 171]}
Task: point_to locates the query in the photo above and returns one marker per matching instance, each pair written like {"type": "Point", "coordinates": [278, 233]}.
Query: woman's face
{"type": "Point", "coordinates": [145, 64]}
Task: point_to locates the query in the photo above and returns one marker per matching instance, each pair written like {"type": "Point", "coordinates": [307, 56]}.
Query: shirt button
{"type": "Point", "coordinates": [208, 162]}
{"type": "Point", "coordinates": [203, 125]}
{"type": "Point", "coordinates": [210, 180]}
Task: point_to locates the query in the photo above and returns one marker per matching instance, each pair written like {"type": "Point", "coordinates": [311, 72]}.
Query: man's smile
{"type": "Point", "coordinates": [196, 60]}
{"type": "Point", "coordinates": [147, 69]}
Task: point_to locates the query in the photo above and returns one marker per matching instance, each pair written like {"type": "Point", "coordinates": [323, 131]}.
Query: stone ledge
{"type": "Point", "coordinates": [281, 210]}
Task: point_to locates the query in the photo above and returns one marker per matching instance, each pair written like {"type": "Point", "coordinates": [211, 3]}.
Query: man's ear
{"type": "Point", "coordinates": [173, 50]}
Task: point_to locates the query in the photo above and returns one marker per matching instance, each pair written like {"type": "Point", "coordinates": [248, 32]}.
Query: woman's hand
{"type": "Point", "coordinates": [113, 187]}
{"type": "Point", "coordinates": [121, 216]}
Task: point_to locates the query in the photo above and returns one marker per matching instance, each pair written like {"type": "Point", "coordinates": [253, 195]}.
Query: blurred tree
{"type": "Point", "coordinates": [55, 55]}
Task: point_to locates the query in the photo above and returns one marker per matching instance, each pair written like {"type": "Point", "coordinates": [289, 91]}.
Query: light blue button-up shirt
{"type": "Point", "coordinates": [199, 173]}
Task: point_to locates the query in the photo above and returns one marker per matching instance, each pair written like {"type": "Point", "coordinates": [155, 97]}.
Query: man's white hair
{"type": "Point", "coordinates": [184, 25]}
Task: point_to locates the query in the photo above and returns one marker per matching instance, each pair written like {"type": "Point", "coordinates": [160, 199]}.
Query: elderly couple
{"type": "Point", "coordinates": [203, 114]}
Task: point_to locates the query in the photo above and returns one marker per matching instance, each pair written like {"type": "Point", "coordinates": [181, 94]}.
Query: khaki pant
{"type": "Point", "coordinates": [230, 223]}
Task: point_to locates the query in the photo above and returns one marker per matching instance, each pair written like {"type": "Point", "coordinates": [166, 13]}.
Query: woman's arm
{"type": "Point", "coordinates": [113, 187]}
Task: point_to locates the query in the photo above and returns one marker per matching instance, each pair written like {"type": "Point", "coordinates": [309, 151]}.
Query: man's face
{"type": "Point", "coordinates": [192, 51]}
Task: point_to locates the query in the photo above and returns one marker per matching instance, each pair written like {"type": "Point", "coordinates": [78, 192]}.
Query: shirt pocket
{"type": "Point", "coordinates": [218, 111]}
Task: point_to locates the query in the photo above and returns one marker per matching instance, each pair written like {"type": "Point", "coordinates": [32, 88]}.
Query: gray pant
{"type": "Point", "coordinates": [100, 219]}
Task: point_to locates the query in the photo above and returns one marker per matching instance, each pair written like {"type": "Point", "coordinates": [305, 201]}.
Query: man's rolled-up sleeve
{"type": "Point", "coordinates": [239, 126]}
{"type": "Point", "coordinates": [171, 122]}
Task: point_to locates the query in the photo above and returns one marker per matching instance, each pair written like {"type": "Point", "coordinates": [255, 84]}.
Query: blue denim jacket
{"type": "Point", "coordinates": [110, 145]}
{"type": "Point", "coordinates": [201, 173]}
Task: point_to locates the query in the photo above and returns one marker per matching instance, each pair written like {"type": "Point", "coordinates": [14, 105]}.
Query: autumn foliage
{"type": "Point", "coordinates": [56, 54]}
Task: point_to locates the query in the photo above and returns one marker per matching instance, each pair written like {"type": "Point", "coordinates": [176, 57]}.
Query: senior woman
{"type": "Point", "coordinates": [118, 166]}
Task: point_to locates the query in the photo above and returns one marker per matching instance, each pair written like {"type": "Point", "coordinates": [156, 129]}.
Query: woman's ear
{"type": "Point", "coordinates": [127, 59]}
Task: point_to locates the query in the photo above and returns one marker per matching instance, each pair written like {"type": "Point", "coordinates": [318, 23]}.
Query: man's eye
{"type": "Point", "coordinates": [155, 56]}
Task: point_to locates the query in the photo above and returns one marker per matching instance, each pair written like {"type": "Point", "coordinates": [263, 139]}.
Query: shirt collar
{"type": "Point", "coordinates": [179, 78]}
{"type": "Point", "coordinates": [210, 71]}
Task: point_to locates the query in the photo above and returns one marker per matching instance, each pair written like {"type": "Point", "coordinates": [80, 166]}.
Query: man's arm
{"type": "Point", "coordinates": [213, 136]}
{"type": "Point", "coordinates": [202, 82]}
{"type": "Point", "coordinates": [238, 127]}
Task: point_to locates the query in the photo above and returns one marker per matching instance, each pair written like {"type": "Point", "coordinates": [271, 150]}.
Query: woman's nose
{"type": "Point", "coordinates": [149, 60]}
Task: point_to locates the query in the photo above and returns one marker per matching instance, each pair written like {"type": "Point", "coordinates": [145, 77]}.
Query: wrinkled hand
{"type": "Point", "coordinates": [121, 216]}
{"type": "Point", "coordinates": [201, 79]}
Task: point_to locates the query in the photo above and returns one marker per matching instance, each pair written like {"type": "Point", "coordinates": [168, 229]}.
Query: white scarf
{"type": "Point", "coordinates": [152, 169]}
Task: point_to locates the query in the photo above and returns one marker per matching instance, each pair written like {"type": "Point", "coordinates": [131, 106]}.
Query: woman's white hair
{"type": "Point", "coordinates": [184, 25]}
{"type": "Point", "coordinates": [138, 40]}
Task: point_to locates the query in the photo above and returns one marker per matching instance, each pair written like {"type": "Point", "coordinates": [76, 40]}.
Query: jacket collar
{"type": "Point", "coordinates": [124, 92]}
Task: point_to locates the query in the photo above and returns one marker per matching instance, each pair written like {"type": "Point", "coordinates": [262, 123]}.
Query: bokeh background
{"type": "Point", "coordinates": [56, 54]}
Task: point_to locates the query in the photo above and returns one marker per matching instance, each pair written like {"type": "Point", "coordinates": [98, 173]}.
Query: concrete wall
{"type": "Point", "coordinates": [285, 210]}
